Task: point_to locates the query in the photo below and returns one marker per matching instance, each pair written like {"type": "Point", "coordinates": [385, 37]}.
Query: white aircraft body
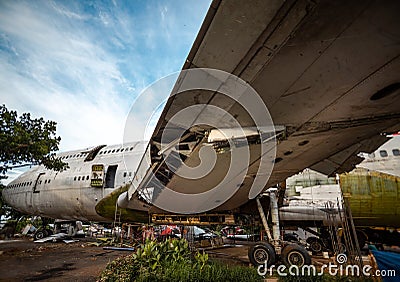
{"type": "Point", "coordinates": [327, 71]}
{"type": "Point", "coordinates": [73, 194]}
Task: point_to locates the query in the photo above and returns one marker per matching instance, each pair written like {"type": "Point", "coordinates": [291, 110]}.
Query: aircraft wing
{"type": "Point", "coordinates": [327, 71]}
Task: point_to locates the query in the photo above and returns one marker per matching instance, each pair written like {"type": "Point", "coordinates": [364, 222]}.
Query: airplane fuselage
{"type": "Point", "coordinates": [74, 193]}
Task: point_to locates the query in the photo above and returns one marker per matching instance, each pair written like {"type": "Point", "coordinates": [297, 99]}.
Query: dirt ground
{"type": "Point", "coordinates": [24, 260]}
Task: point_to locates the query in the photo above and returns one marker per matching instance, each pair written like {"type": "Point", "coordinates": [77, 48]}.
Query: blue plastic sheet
{"type": "Point", "coordinates": [387, 262]}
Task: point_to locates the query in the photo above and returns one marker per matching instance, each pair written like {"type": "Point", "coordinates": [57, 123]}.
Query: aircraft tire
{"type": "Point", "coordinates": [40, 234]}
{"type": "Point", "coordinates": [316, 245]}
{"type": "Point", "coordinates": [294, 254]}
{"type": "Point", "coordinates": [261, 252]}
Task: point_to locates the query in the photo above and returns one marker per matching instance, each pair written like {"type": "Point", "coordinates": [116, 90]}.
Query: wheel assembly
{"type": "Point", "coordinates": [40, 234]}
{"type": "Point", "coordinates": [294, 254]}
{"type": "Point", "coordinates": [262, 252]}
{"type": "Point", "coordinates": [316, 245]}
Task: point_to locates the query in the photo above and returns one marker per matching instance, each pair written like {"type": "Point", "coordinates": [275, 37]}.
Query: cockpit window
{"type": "Point", "coordinates": [383, 153]}
{"type": "Point", "coordinates": [396, 152]}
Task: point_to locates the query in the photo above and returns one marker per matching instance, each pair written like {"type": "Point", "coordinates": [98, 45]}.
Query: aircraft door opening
{"type": "Point", "coordinates": [110, 176]}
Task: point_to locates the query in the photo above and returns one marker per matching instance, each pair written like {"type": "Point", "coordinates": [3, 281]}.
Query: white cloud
{"type": "Point", "coordinates": [83, 66]}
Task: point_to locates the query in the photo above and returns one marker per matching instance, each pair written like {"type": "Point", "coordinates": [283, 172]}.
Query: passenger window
{"type": "Point", "coordinates": [75, 178]}
{"type": "Point", "coordinates": [396, 152]}
{"type": "Point", "coordinates": [87, 177]}
{"type": "Point", "coordinates": [125, 174]}
{"type": "Point", "coordinates": [383, 153]}
{"type": "Point", "coordinates": [48, 181]}
{"type": "Point", "coordinates": [79, 178]}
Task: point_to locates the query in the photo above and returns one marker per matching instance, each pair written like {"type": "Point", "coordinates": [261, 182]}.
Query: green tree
{"type": "Point", "coordinates": [24, 140]}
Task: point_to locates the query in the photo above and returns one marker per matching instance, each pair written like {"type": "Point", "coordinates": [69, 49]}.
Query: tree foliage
{"type": "Point", "coordinates": [24, 140]}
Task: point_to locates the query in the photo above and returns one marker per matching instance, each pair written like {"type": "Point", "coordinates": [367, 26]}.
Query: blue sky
{"type": "Point", "coordinates": [82, 63]}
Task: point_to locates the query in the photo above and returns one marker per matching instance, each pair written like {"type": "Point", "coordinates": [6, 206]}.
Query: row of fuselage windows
{"type": "Point", "coordinates": [384, 153]}
{"type": "Point", "coordinates": [81, 155]}
{"type": "Point", "coordinates": [79, 178]}
{"type": "Point", "coordinates": [28, 183]}
{"type": "Point", "coordinates": [76, 178]}
{"type": "Point", "coordinates": [46, 181]}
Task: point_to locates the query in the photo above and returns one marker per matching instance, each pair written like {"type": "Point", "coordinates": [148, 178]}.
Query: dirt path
{"type": "Point", "coordinates": [27, 261]}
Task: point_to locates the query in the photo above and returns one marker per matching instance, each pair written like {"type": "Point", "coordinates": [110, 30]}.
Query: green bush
{"type": "Point", "coordinates": [171, 261]}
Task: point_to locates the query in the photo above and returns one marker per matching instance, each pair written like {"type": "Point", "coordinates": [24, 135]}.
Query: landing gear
{"type": "Point", "coordinates": [44, 230]}
{"type": "Point", "coordinates": [294, 254]}
{"type": "Point", "coordinates": [263, 252]}
{"type": "Point", "coordinates": [42, 233]}
{"type": "Point", "coordinates": [316, 245]}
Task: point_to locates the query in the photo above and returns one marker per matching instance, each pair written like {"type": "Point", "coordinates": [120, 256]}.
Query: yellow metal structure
{"type": "Point", "coordinates": [374, 197]}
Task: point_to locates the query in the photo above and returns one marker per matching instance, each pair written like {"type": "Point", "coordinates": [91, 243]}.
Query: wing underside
{"type": "Point", "coordinates": [327, 71]}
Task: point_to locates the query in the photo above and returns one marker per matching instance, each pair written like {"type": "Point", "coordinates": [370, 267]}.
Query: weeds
{"type": "Point", "coordinates": [171, 261]}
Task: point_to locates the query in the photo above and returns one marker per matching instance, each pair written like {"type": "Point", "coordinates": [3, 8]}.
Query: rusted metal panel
{"type": "Point", "coordinates": [373, 197]}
